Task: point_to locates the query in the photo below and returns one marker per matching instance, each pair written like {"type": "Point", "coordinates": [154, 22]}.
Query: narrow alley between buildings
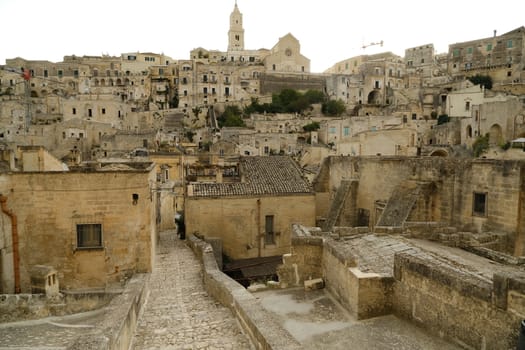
{"type": "Point", "coordinates": [178, 313]}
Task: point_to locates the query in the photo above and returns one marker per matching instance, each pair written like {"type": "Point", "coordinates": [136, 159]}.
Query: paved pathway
{"type": "Point", "coordinates": [178, 313]}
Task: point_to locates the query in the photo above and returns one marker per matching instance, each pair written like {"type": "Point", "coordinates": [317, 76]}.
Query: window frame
{"type": "Point", "coordinates": [475, 204]}
{"type": "Point", "coordinates": [80, 245]}
{"type": "Point", "coordinates": [269, 235]}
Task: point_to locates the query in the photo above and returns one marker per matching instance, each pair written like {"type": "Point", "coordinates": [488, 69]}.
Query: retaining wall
{"type": "Point", "coordinates": [262, 327]}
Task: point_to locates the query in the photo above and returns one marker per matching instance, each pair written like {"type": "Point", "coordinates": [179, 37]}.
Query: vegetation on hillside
{"type": "Point", "coordinates": [231, 117]}
{"type": "Point", "coordinates": [480, 79]}
{"type": "Point", "coordinates": [480, 145]}
{"type": "Point", "coordinates": [312, 126]}
{"type": "Point", "coordinates": [293, 101]}
{"type": "Point", "coordinates": [442, 119]}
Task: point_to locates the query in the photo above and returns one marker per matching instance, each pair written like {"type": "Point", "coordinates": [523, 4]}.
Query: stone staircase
{"type": "Point", "coordinates": [400, 204]}
{"type": "Point", "coordinates": [337, 205]}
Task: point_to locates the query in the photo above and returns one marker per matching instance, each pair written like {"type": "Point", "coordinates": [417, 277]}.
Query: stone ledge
{"type": "Point", "coordinates": [261, 326]}
{"type": "Point", "coordinates": [116, 330]}
{"type": "Point", "coordinates": [465, 284]}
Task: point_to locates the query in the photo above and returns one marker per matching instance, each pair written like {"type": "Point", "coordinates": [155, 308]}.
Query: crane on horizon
{"type": "Point", "coordinates": [372, 44]}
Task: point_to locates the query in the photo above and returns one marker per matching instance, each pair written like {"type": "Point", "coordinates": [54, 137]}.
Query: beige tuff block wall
{"type": "Point", "coordinates": [48, 207]}
{"type": "Point", "coordinates": [303, 263]}
{"type": "Point", "coordinates": [365, 295]}
{"type": "Point", "coordinates": [240, 222]}
{"type": "Point", "coordinates": [461, 307]}
{"type": "Point", "coordinates": [453, 184]}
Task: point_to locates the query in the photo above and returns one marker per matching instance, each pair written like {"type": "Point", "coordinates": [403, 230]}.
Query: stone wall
{"type": "Point", "coordinates": [259, 324]}
{"type": "Point", "coordinates": [469, 310]}
{"type": "Point", "coordinates": [439, 295]}
{"type": "Point", "coordinates": [48, 207]}
{"type": "Point", "coordinates": [303, 263]}
{"type": "Point", "coordinates": [365, 295]}
{"type": "Point", "coordinates": [451, 185]}
{"type": "Point", "coordinates": [115, 331]}
{"type": "Point", "coordinates": [274, 83]}
{"type": "Point", "coordinates": [18, 307]}
{"type": "Point", "coordinates": [240, 221]}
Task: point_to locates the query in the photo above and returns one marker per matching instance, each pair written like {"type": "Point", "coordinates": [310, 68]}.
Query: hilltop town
{"type": "Point", "coordinates": [393, 183]}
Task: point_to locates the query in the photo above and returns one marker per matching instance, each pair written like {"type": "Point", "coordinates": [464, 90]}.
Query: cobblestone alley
{"type": "Point", "coordinates": [178, 313]}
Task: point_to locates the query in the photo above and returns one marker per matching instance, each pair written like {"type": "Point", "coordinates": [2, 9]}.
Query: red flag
{"type": "Point", "coordinates": [26, 74]}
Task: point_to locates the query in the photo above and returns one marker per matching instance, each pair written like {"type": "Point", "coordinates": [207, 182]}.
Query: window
{"type": "Point", "coordinates": [346, 130]}
{"type": "Point", "coordinates": [46, 73]}
{"type": "Point", "coordinates": [103, 111]}
{"type": "Point", "coordinates": [509, 44]}
{"type": "Point", "coordinates": [60, 73]}
{"type": "Point", "coordinates": [469, 50]}
{"type": "Point", "coordinates": [89, 236]}
{"type": "Point", "coordinates": [467, 106]}
{"type": "Point", "coordinates": [479, 205]}
{"type": "Point", "coordinates": [332, 130]}
{"type": "Point", "coordinates": [489, 47]}
{"type": "Point", "coordinates": [90, 112]}
{"type": "Point", "coordinates": [455, 52]}
{"type": "Point", "coordinates": [74, 111]}
{"type": "Point", "coordinates": [269, 236]}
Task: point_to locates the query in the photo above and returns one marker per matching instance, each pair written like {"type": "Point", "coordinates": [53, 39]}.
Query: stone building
{"type": "Point", "coordinates": [253, 216]}
{"type": "Point", "coordinates": [499, 56]}
{"type": "Point", "coordinates": [420, 60]}
{"type": "Point", "coordinates": [472, 195]}
{"type": "Point", "coordinates": [95, 224]}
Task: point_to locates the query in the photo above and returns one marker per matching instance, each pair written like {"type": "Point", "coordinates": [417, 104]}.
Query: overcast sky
{"type": "Point", "coordinates": [328, 31]}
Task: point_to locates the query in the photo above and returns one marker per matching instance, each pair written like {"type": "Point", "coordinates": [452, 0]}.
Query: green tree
{"type": "Point", "coordinates": [314, 96]}
{"type": "Point", "coordinates": [480, 145]}
{"type": "Point", "coordinates": [312, 126]}
{"type": "Point", "coordinates": [333, 108]}
{"type": "Point", "coordinates": [480, 79]}
{"type": "Point", "coordinates": [442, 119]}
{"type": "Point", "coordinates": [231, 117]}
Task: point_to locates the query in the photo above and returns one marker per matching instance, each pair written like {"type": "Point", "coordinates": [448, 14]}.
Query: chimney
{"type": "Point", "coordinates": [494, 32]}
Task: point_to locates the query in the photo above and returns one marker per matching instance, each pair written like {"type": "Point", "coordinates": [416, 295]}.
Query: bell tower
{"type": "Point", "coordinates": [236, 32]}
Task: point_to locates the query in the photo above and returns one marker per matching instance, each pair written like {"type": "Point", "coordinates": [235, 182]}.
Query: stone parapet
{"type": "Point", "coordinates": [116, 330]}
{"type": "Point", "coordinates": [464, 307]}
{"type": "Point", "coordinates": [20, 307]}
{"type": "Point", "coordinates": [260, 325]}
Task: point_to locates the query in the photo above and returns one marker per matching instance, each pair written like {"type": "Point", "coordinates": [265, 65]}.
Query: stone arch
{"type": "Point", "coordinates": [102, 82]}
{"type": "Point", "coordinates": [469, 131]}
{"type": "Point", "coordinates": [495, 135]}
{"type": "Point", "coordinates": [374, 97]}
{"type": "Point", "coordinates": [439, 153]}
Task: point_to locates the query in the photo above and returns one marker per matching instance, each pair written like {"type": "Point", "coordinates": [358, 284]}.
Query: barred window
{"type": "Point", "coordinates": [89, 236]}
